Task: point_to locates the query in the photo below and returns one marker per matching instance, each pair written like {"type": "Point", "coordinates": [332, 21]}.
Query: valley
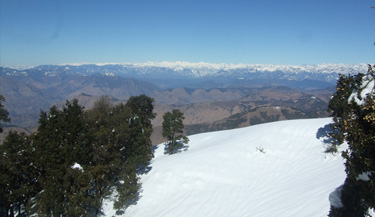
{"type": "Point", "coordinates": [212, 97]}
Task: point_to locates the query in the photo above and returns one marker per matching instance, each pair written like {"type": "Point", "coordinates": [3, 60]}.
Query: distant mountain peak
{"type": "Point", "coordinates": [327, 72]}
{"type": "Point", "coordinates": [181, 65]}
{"type": "Point", "coordinates": [202, 69]}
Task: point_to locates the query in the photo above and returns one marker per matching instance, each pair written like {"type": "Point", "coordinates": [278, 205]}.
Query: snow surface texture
{"type": "Point", "coordinates": [275, 169]}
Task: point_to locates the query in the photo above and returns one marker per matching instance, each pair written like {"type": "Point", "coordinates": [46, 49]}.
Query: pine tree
{"type": "Point", "coordinates": [4, 114]}
{"type": "Point", "coordinates": [142, 110]}
{"type": "Point", "coordinates": [18, 174]}
{"type": "Point", "coordinates": [78, 158]}
{"type": "Point", "coordinates": [104, 156]}
{"type": "Point", "coordinates": [115, 152]}
{"type": "Point", "coordinates": [122, 144]}
{"type": "Point", "coordinates": [132, 129]}
{"type": "Point", "coordinates": [357, 127]}
{"type": "Point", "coordinates": [339, 108]}
{"type": "Point", "coordinates": [127, 187]}
{"type": "Point", "coordinates": [60, 142]}
{"type": "Point", "coordinates": [173, 130]}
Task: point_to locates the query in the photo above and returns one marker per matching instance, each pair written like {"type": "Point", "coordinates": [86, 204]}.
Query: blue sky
{"type": "Point", "coordinates": [218, 31]}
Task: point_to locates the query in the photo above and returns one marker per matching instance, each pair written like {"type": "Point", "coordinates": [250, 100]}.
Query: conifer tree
{"type": "Point", "coordinates": [132, 129]}
{"type": "Point", "coordinates": [17, 174]}
{"type": "Point", "coordinates": [116, 150]}
{"type": "Point", "coordinates": [357, 127]}
{"type": "Point", "coordinates": [104, 163]}
{"type": "Point", "coordinates": [60, 142]}
{"type": "Point", "coordinates": [3, 113]}
{"type": "Point", "coordinates": [339, 108]}
{"type": "Point", "coordinates": [142, 114]}
{"type": "Point", "coordinates": [127, 187]}
{"type": "Point", "coordinates": [127, 143]}
{"type": "Point", "coordinates": [76, 159]}
{"type": "Point", "coordinates": [173, 130]}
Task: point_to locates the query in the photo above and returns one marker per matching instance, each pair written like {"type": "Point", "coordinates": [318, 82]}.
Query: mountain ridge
{"type": "Point", "coordinates": [196, 75]}
{"type": "Point", "coordinates": [203, 69]}
{"type": "Point", "coordinates": [28, 91]}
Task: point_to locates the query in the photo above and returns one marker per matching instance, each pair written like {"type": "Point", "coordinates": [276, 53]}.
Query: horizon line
{"type": "Point", "coordinates": [174, 63]}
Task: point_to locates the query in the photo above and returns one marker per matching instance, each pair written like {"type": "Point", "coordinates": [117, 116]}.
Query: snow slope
{"type": "Point", "coordinates": [275, 169]}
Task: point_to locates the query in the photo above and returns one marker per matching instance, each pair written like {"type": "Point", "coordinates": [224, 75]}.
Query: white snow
{"type": "Point", "coordinates": [212, 68]}
{"type": "Point", "coordinates": [110, 74]}
{"type": "Point", "coordinates": [204, 68]}
{"type": "Point", "coordinates": [77, 166]}
{"type": "Point", "coordinates": [365, 176]}
{"type": "Point", "coordinates": [335, 197]}
{"type": "Point", "coordinates": [368, 87]}
{"type": "Point", "coordinates": [224, 174]}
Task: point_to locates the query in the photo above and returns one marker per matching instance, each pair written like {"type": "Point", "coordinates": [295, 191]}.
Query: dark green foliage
{"type": "Point", "coordinates": [142, 110]}
{"type": "Point", "coordinates": [351, 201]}
{"type": "Point", "coordinates": [122, 144]}
{"type": "Point", "coordinates": [360, 157]}
{"type": "Point", "coordinates": [103, 152]}
{"type": "Point", "coordinates": [17, 174]}
{"type": "Point", "coordinates": [127, 188]}
{"type": "Point", "coordinates": [355, 123]}
{"type": "Point", "coordinates": [61, 141]}
{"type": "Point", "coordinates": [76, 159]}
{"type": "Point", "coordinates": [3, 113]}
{"type": "Point", "coordinates": [339, 108]}
{"type": "Point", "coordinates": [173, 130]}
{"type": "Point", "coordinates": [344, 88]}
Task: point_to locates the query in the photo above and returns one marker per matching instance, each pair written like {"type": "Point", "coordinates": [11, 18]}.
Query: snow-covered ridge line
{"type": "Point", "coordinates": [181, 65]}
{"type": "Point", "coordinates": [327, 72]}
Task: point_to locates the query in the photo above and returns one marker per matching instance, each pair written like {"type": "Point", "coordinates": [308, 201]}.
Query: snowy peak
{"type": "Point", "coordinates": [187, 70]}
{"type": "Point", "coordinates": [322, 72]}
{"type": "Point", "coordinates": [206, 69]}
{"type": "Point", "coordinates": [320, 68]}
{"type": "Point", "coordinates": [203, 69]}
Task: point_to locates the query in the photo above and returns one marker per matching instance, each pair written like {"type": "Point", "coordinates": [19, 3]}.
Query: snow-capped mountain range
{"type": "Point", "coordinates": [211, 68]}
{"type": "Point", "coordinates": [326, 72]}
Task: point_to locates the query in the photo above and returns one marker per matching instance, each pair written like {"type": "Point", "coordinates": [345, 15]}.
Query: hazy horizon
{"type": "Point", "coordinates": [185, 63]}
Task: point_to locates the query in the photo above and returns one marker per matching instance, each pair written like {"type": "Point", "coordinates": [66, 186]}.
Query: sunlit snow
{"type": "Point", "coordinates": [77, 166]}
{"type": "Point", "coordinates": [225, 174]}
{"type": "Point", "coordinates": [368, 87]}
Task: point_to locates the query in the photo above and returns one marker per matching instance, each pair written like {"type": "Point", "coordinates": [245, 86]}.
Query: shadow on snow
{"type": "Point", "coordinates": [180, 147]}
{"type": "Point", "coordinates": [324, 134]}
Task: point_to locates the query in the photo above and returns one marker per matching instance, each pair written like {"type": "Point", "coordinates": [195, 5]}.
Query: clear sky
{"type": "Point", "coordinates": [35, 32]}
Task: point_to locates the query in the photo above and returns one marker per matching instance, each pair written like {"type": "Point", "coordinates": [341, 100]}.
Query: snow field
{"type": "Point", "coordinates": [275, 169]}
